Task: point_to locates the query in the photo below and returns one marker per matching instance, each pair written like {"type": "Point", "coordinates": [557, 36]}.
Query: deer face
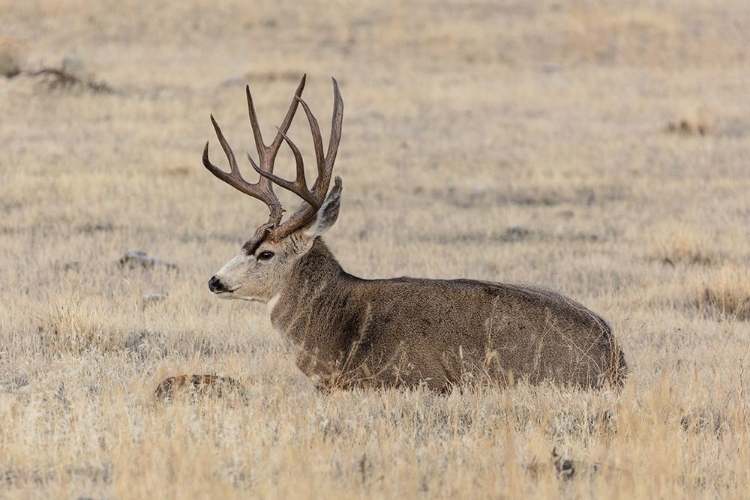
{"type": "Point", "coordinates": [259, 274]}
{"type": "Point", "coordinates": [260, 271]}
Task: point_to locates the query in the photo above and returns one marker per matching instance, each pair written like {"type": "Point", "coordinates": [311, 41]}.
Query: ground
{"type": "Point", "coordinates": [597, 148]}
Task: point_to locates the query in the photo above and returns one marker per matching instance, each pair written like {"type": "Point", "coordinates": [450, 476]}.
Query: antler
{"type": "Point", "coordinates": [263, 189]}
{"type": "Point", "coordinates": [315, 196]}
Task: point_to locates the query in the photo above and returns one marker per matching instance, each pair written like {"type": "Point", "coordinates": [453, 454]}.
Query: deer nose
{"type": "Point", "coordinates": [215, 285]}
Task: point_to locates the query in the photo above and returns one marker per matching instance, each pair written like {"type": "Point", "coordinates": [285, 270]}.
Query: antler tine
{"type": "Point", "coordinates": [284, 127]}
{"type": "Point", "coordinates": [267, 154]}
{"type": "Point", "coordinates": [261, 191]}
{"type": "Point", "coordinates": [314, 197]}
{"type": "Point", "coordinates": [325, 163]}
{"type": "Point", "coordinates": [336, 126]}
{"type": "Point", "coordinates": [317, 194]}
{"type": "Point", "coordinates": [227, 151]}
{"type": "Point", "coordinates": [299, 185]}
{"type": "Point", "coordinates": [257, 135]}
{"type": "Point", "coordinates": [234, 178]}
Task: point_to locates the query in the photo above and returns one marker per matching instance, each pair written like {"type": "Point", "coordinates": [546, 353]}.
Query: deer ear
{"type": "Point", "coordinates": [327, 213]}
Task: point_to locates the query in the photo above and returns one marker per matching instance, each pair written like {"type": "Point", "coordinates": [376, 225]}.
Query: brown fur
{"type": "Point", "coordinates": [406, 331]}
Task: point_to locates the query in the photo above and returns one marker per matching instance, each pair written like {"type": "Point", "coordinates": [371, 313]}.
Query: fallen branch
{"type": "Point", "coordinates": [58, 78]}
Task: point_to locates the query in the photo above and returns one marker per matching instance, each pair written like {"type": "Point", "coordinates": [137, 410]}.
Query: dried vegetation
{"type": "Point", "coordinates": [513, 141]}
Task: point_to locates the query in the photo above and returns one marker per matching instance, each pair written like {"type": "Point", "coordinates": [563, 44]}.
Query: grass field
{"type": "Point", "coordinates": [596, 148]}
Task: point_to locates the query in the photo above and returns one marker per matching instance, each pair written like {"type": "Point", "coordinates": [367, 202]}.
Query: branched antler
{"type": "Point", "coordinates": [263, 189]}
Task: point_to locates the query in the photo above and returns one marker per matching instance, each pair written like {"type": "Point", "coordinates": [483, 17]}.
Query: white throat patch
{"type": "Point", "coordinates": [272, 303]}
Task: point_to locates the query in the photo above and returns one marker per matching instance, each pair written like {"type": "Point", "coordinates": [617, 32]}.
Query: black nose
{"type": "Point", "coordinates": [215, 285]}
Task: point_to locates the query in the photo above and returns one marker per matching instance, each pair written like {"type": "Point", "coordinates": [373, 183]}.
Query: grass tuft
{"type": "Point", "coordinates": [724, 293]}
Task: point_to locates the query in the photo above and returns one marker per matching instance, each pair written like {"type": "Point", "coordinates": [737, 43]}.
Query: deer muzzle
{"type": "Point", "coordinates": [216, 286]}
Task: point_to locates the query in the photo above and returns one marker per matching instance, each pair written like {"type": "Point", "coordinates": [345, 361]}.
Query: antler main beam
{"type": "Point", "coordinates": [263, 188]}
{"type": "Point", "coordinates": [314, 196]}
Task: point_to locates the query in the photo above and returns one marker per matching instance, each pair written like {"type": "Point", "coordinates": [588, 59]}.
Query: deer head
{"type": "Point", "coordinates": [261, 268]}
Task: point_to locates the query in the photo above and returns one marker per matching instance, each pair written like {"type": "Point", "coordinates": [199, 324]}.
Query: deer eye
{"type": "Point", "coordinates": [265, 255]}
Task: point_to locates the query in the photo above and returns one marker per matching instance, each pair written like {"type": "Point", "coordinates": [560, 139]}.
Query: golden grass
{"type": "Point", "coordinates": [688, 245]}
{"type": "Point", "coordinates": [724, 292]}
{"type": "Point", "coordinates": [511, 141]}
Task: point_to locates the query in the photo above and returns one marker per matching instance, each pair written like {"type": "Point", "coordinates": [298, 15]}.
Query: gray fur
{"type": "Point", "coordinates": [406, 332]}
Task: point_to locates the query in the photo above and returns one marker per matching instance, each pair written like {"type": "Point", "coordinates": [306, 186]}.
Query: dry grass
{"type": "Point", "coordinates": [724, 292]}
{"type": "Point", "coordinates": [515, 141]}
{"type": "Point", "coordinates": [688, 245]}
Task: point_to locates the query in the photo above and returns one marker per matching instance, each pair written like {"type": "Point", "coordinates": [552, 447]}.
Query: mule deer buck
{"type": "Point", "coordinates": [353, 332]}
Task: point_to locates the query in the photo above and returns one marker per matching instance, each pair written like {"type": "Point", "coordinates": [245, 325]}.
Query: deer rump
{"type": "Point", "coordinates": [352, 332]}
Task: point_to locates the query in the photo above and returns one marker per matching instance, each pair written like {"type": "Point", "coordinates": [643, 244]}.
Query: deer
{"type": "Point", "coordinates": [347, 332]}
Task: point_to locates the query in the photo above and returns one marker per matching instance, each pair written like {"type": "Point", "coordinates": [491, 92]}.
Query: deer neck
{"type": "Point", "coordinates": [315, 285]}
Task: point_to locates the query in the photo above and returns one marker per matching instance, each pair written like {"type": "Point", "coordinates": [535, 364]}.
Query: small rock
{"type": "Point", "coordinates": [133, 258]}
{"type": "Point", "coordinates": [233, 81]}
{"type": "Point", "coordinates": [153, 297]}
{"type": "Point", "coordinates": [517, 231]}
